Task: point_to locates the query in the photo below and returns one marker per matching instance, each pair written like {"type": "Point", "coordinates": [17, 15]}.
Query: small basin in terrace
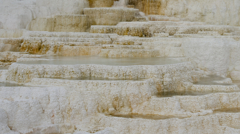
{"type": "Point", "coordinates": [58, 60]}
{"type": "Point", "coordinates": [227, 110]}
{"type": "Point", "coordinates": [187, 93]}
{"type": "Point", "coordinates": [7, 84]}
{"type": "Point", "coordinates": [152, 117]}
{"type": "Point", "coordinates": [96, 78]}
{"type": "Point", "coordinates": [212, 80]}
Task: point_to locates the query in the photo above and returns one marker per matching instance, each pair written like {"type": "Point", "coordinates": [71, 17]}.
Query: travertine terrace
{"type": "Point", "coordinates": [119, 67]}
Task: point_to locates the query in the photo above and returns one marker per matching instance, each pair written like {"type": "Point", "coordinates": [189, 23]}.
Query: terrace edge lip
{"type": "Point", "coordinates": [93, 60]}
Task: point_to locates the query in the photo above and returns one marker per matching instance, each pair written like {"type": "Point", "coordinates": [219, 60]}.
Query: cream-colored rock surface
{"type": "Point", "coordinates": [119, 67]}
{"type": "Point", "coordinates": [3, 75]}
{"type": "Point", "coordinates": [4, 129]}
{"type": "Point", "coordinates": [101, 3]}
{"type": "Point", "coordinates": [20, 13]}
{"type": "Point", "coordinates": [60, 23]}
{"type": "Point", "coordinates": [33, 108]}
{"type": "Point", "coordinates": [54, 7]}
{"type": "Point", "coordinates": [143, 101]}
{"type": "Point", "coordinates": [10, 44]}
{"type": "Point", "coordinates": [13, 56]}
{"type": "Point", "coordinates": [203, 124]}
{"type": "Point", "coordinates": [59, 98]}
{"type": "Point", "coordinates": [109, 16]}
{"type": "Point", "coordinates": [7, 58]}
{"type": "Point", "coordinates": [166, 48]}
{"type": "Point", "coordinates": [42, 24]}
{"type": "Point", "coordinates": [235, 75]}
{"type": "Point", "coordinates": [114, 95]}
{"type": "Point", "coordinates": [214, 12]}
{"type": "Point", "coordinates": [164, 74]}
{"type": "Point", "coordinates": [125, 53]}
{"type": "Point", "coordinates": [211, 55]}
{"type": "Point", "coordinates": [16, 14]}
{"type": "Point", "coordinates": [65, 43]}
{"type": "Point", "coordinates": [71, 23]}
{"type": "Point", "coordinates": [149, 28]}
{"type": "Point", "coordinates": [64, 46]}
{"type": "Point", "coordinates": [16, 33]}
{"type": "Point", "coordinates": [107, 130]}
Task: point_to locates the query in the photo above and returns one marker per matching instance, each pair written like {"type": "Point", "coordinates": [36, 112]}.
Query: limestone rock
{"type": "Point", "coordinates": [211, 55]}
{"type": "Point", "coordinates": [4, 129]}
{"type": "Point", "coordinates": [109, 16]}
{"type": "Point", "coordinates": [216, 12]}
{"type": "Point", "coordinates": [119, 67]}
{"type": "Point", "coordinates": [101, 3]}
{"type": "Point", "coordinates": [18, 14]}
{"type": "Point", "coordinates": [235, 75]}
{"type": "Point", "coordinates": [60, 23]}
{"type": "Point", "coordinates": [55, 7]}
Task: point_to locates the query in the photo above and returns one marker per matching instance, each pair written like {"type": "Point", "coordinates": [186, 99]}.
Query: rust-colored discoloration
{"type": "Point", "coordinates": [31, 47]}
{"type": "Point", "coordinates": [63, 49]}
{"type": "Point", "coordinates": [101, 3]}
{"type": "Point", "coordinates": [147, 6]}
{"type": "Point", "coordinates": [44, 48]}
{"type": "Point", "coordinates": [35, 47]}
{"type": "Point", "coordinates": [11, 44]}
{"type": "Point", "coordinates": [55, 49]}
{"type": "Point", "coordinates": [60, 48]}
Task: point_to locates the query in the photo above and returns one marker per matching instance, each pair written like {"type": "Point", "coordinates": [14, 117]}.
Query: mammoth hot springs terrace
{"type": "Point", "coordinates": [119, 66]}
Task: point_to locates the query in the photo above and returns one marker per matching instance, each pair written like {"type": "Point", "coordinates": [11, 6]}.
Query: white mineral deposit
{"type": "Point", "coordinates": [119, 67]}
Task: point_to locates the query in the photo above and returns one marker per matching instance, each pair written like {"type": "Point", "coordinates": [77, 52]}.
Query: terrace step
{"type": "Point", "coordinates": [162, 18]}
{"type": "Point", "coordinates": [109, 16]}
{"type": "Point", "coordinates": [10, 44]}
{"type": "Point", "coordinates": [125, 53]}
{"type": "Point", "coordinates": [60, 23]}
{"type": "Point", "coordinates": [197, 28]}
{"type": "Point", "coordinates": [176, 125]}
{"type": "Point", "coordinates": [64, 34]}
{"type": "Point", "coordinates": [64, 46]}
{"type": "Point", "coordinates": [112, 46]}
